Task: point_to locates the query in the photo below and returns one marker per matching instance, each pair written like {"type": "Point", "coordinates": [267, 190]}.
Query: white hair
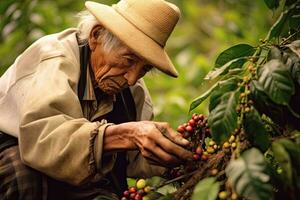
{"type": "Point", "coordinates": [86, 23]}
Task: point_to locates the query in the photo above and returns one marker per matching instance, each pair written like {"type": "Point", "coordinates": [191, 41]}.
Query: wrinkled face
{"type": "Point", "coordinates": [118, 69]}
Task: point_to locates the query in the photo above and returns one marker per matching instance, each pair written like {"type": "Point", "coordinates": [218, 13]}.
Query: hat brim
{"type": "Point", "coordinates": [136, 40]}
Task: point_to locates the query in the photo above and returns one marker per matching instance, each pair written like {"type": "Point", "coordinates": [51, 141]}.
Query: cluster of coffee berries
{"type": "Point", "coordinates": [198, 123]}
{"type": "Point", "coordinates": [196, 130]}
{"type": "Point", "coordinates": [137, 192]}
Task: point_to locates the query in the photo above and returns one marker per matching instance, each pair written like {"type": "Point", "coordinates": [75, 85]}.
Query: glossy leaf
{"type": "Point", "coordinates": [224, 87]}
{"type": "Point", "coordinates": [220, 85]}
{"type": "Point", "coordinates": [276, 81]}
{"type": "Point", "coordinates": [206, 189]}
{"type": "Point", "coordinates": [248, 177]}
{"type": "Point", "coordinates": [222, 70]}
{"type": "Point", "coordinates": [293, 150]}
{"type": "Point", "coordinates": [284, 160]}
{"type": "Point", "coordinates": [154, 195]}
{"type": "Point", "coordinates": [281, 22]}
{"type": "Point", "coordinates": [265, 105]}
{"type": "Point", "coordinates": [272, 4]}
{"type": "Point", "coordinates": [223, 119]}
{"type": "Point", "coordinates": [237, 51]}
{"type": "Point", "coordinates": [256, 131]}
{"type": "Point", "coordinates": [196, 102]}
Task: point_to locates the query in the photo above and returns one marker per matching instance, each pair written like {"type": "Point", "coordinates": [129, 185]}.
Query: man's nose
{"type": "Point", "coordinates": [132, 76]}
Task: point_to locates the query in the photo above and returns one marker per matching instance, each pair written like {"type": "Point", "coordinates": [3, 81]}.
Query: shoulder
{"type": "Point", "coordinates": [59, 44]}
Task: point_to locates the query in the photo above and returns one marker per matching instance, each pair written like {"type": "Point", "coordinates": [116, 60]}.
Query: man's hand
{"type": "Point", "coordinates": [156, 141]}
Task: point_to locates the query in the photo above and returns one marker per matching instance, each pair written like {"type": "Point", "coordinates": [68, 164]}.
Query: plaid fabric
{"type": "Point", "coordinates": [18, 181]}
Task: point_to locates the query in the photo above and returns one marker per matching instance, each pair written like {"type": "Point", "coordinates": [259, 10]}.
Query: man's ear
{"type": "Point", "coordinates": [93, 37]}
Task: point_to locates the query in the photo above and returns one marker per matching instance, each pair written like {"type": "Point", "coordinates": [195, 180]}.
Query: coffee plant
{"type": "Point", "coordinates": [248, 147]}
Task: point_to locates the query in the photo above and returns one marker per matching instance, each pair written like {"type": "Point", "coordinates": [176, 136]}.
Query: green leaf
{"type": "Point", "coordinates": [248, 177]}
{"type": "Point", "coordinates": [293, 149]}
{"type": "Point", "coordinates": [265, 105]}
{"type": "Point", "coordinates": [220, 85]}
{"type": "Point", "coordinates": [272, 4]}
{"type": "Point", "coordinates": [284, 160]}
{"type": "Point", "coordinates": [256, 131]}
{"type": "Point", "coordinates": [237, 51]}
{"type": "Point", "coordinates": [154, 195]}
{"type": "Point", "coordinates": [206, 189]}
{"type": "Point", "coordinates": [223, 87]}
{"type": "Point", "coordinates": [279, 25]}
{"type": "Point", "coordinates": [276, 81]}
{"type": "Point", "coordinates": [196, 102]}
{"type": "Point", "coordinates": [166, 197]}
{"type": "Point", "coordinates": [223, 119]}
{"type": "Point", "coordinates": [222, 70]}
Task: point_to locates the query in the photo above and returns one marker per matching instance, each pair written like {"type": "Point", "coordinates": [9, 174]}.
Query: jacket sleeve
{"type": "Point", "coordinates": [54, 137]}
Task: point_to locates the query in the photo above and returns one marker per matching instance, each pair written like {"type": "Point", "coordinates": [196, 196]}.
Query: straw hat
{"type": "Point", "coordinates": [143, 25]}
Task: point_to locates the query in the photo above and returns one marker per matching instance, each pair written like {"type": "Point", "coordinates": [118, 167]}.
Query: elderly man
{"type": "Point", "coordinates": [77, 104]}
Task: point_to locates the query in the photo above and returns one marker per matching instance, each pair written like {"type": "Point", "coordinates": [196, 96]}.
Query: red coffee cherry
{"type": "Point", "coordinates": [138, 197]}
{"type": "Point", "coordinates": [181, 129]}
{"type": "Point", "coordinates": [192, 123]}
{"type": "Point", "coordinates": [199, 150]}
{"type": "Point", "coordinates": [126, 193]}
{"type": "Point", "coordinates": [196, 157]}
{"type": "Point", "coordinates": [132, 189]}
{"type": "Point", "coordinates": [189, 129]}
{"type": "Point", "coordinates": [204, 157]}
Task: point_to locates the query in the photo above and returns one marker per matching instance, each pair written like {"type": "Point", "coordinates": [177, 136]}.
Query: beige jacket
{"type": "Point", "coordinates": [39, 105]}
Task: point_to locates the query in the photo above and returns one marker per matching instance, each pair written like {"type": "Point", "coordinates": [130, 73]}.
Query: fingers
{"type": "Point", "coordinates": [174, 149]}
{"type": "Point", "coordinates": [171, 134]}
{"type": "Point", "coordinates": [170, 140]}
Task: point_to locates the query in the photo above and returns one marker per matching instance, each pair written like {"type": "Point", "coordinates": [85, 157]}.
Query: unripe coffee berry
{"type": "Point", "coordinates": [140, 184]}
{"type": "Point", "coordinates": [233, 145]}
{"type": "Point", "coordinates": [147, 189]}
{"type": "Point", "coordinates": [211, 143]}
{"type": "Point", "coordinates": [223, 195]}
{"type": "Point", "coordinates": [231, 139]}
{"type": "Point", "coordinates": [214, 172]}
{"type": "Point", "coordinates": [234, 196]}
{"type": "Point", "coordinates": [210, 150]}
{"type": "Point", "coordinates": [226, 145]}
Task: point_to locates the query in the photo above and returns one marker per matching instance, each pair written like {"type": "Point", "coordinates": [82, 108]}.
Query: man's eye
{"type": "Point", "coordinates": [129, 60]}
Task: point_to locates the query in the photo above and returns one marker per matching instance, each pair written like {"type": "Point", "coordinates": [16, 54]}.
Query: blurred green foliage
{"type": "Point", "coordinates": [206, 28]}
